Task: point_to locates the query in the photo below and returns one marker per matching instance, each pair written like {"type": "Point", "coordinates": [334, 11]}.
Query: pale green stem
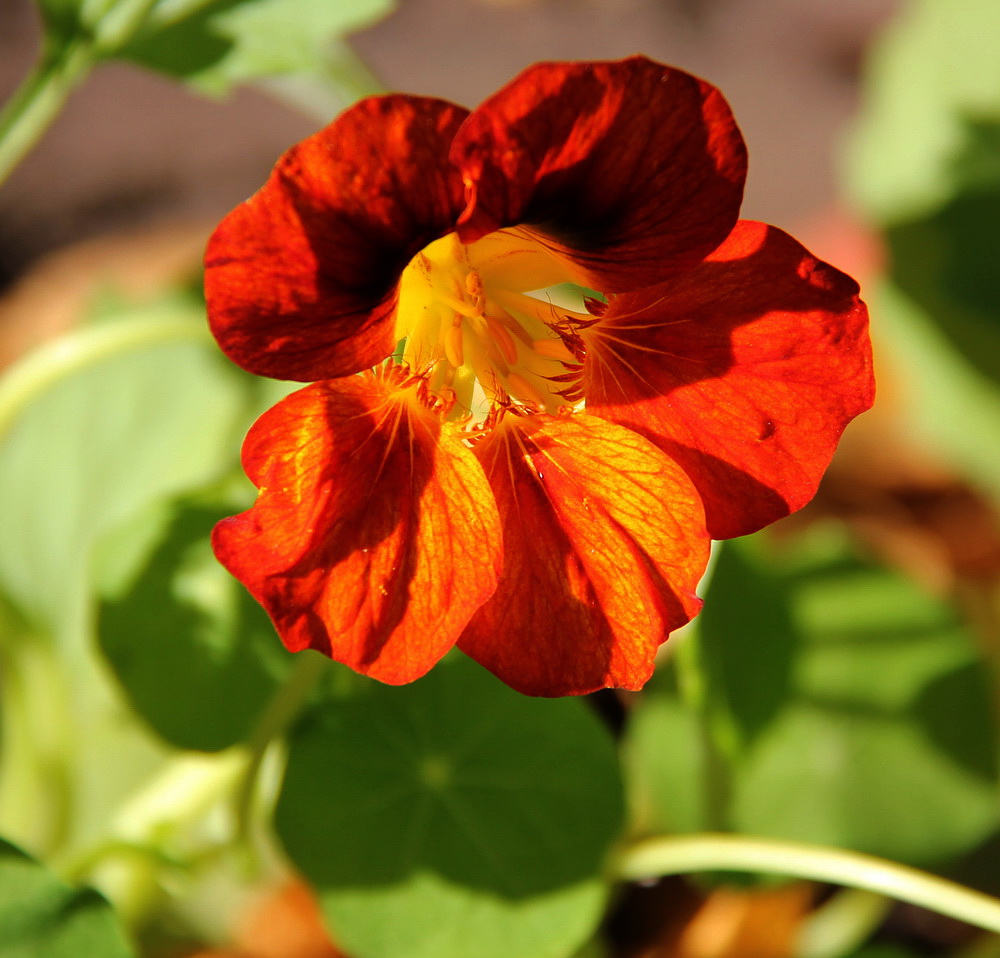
{"type": "Point", "coordinates": [59, 71]}
{"type": "Point", "coordinates": [282, 710]}
{"type": "Point", "coordinates": [715, 852]}
{"type": "Point", "coordinates": [36, 749]}
{"type": "Point", "coordinates": [841, 925]}
{"type": "Point", "coordinates": [716, 768]}
{"type": "Point", "coordinates": [37, 102]}
{"type": "Point", "coordinates": [32, 375]}
{"type": "Point", "coordinates": [150, 824]}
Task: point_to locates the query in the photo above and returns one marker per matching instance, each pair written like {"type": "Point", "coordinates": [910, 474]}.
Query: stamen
{"type": "Point", "coordinates": [474, 287]}
{"type": "Point", "coordinates": [502, 338]}
{"type": "Point", "coordinates": [495, 357]}
{"type": "Point", "coordinates": [459, 305]}
{"type": "Point", "coordinates": [453, 343]}
{"type": "Point", "coordinates": [525, 391]}
{"type": "Point", "coordinates": [553, 349]}
{"type": "Point", "coordinates": [474, 332]}
{"type": "Point", "coordinates": [502, 316]}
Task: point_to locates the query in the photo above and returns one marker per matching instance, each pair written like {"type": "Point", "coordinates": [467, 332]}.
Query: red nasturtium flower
{"type": "Point", "coordinates": [534, 483]}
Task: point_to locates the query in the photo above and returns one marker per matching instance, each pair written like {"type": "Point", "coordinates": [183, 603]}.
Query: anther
{"type": "Point", "coordinates": [505, 343]}
{"type": "Point", "coordinates": [524, 391]}
{"type": "Point", "coordinates": [453, 343]}
{"type": "Point", "coordinates": [553, 349]}
{"type": "Point", "coordinates": [474, 287]}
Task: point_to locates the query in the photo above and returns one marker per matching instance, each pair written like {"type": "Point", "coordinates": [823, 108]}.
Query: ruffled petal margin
{"type": "Point", "coordinates": [301, 280]}
{"type": "Point", "coordinates": [374, 537]}
{"type": "Point", "coordinates": [630, 169]}
{"type": "Point", "coordinates": [745, 370]}
{"type": "Point", "coordinates": [604, 544]}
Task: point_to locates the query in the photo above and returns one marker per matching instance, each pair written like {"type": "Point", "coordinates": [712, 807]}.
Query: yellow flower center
{"type": "Point", "coordinates": [467, 319]}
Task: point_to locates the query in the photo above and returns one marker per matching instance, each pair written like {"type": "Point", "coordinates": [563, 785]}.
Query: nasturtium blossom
{"type": "Point", "coordinates": [476, 463]}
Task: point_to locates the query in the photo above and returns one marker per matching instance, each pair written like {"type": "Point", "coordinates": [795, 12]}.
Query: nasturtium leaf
{"type": "Point", "coordinates": [958, 392]}
{"type": "Point", "coordinates": [93, 430]}
{"type": "Point", "coordinates": [885, 745]}
{"type": "Point", "coordinates": [453, 818]}
{"type": "Point", "coordinates": [745, 645]}
{"type": "Point", "coordinates": [945, 260]}
{"type": "Point", "coordinates": [197, 657]}
{"type": "Point", "coordinates": [62, 20]}
{"type": "Point", "coordinates": [219, 43]}
{"type": "Point", "coordinates": [933, 70]}
{"type": "Point", "coordinates": [41, 917]}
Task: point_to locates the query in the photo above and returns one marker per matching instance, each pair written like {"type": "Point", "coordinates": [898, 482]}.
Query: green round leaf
{"type": "Point", "coordinates": [198, 658]}
{"type": "Point", "coordinates": [886, 743]}
{"type": "Point", "coordinates": [40, 917]}
{"type": "Point", "coordinates": [93, 430]}
{"type": "Point", "coordinates": [215, 44]}
{"type": "Point", "coordinates": [932, 71]}
{"type": "Point", "coordinates": [453, 817]}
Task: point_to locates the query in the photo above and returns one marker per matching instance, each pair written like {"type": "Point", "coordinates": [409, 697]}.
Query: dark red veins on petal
{"type": "Point", "coordinates": [631, 168]}
{"type": "Point", "coordinates": [604, 544]}
{"type": "Point", "coordinates": [745, 370]}
{"type": "Point", "coordinates": [374, 536]}
{"type": "Point", "coordinates": [301, 279]}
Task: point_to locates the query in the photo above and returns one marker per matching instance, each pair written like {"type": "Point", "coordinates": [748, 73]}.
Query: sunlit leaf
{"type": "Point", "coordinates": [196, 655]}
{"type": "Point", "coordinates": [40, 917]}
{"type": "Point", "coordinates": [935, 68]}
{"type": "Point", "coordinates": [889, 701]}
{"type": "Point", "coordinates": [219, 43]}
{"type": "Point", "coordinates": [945, 260]}
{"type": "Point", "coordinates": [453, 817]}
{"type": "Point", "coordinates": [95, 428]}
{"type": "Point", "coordinates": [746, 646]}
{"type": "Point", "coordinates": [942, 403]}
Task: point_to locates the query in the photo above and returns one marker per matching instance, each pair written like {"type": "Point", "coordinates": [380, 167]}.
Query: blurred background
{"type": "Point", "coordinates": [134, 150]}
{"type": "Point", "coordinates": [854, 649]}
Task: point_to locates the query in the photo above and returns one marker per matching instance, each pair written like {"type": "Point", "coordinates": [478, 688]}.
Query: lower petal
{"type": "Point", "coordinates": [374, 537]}
{"type": "Point", "coordinates": [604, 544]}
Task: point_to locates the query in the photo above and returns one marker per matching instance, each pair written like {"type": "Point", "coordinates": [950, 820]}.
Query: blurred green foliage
{"type": "Point", "coordinates": [822, 696]}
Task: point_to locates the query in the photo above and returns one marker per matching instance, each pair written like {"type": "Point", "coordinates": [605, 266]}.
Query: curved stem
{"type": "Point", "coordinates": [36, 748]}
{"type": "Point", "coordinates": [276, 718]}
{"type": "Point", "coordinates": [711, 852]}
{"type": "Point", "coordinates": [38, 100]}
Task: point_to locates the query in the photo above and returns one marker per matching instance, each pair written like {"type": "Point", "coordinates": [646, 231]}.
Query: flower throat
{"type": "Point", "coordinates": [467, 319]}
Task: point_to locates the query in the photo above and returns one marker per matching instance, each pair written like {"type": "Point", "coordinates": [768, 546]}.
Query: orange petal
{"type": "Point", "coordinates": [629, 169]}
{"type": "Point", "coordinates": [375, 536]}
{"type": "Point", "coordinates": [302, 279]}
{"type": "Point", "coordinates": [604, 544]}
{"type": "Point", "coordinates": [745, 370]}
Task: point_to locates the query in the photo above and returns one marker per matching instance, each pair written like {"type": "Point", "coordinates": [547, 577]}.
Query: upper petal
{"type": "Point", "coordinates": [604, 544]}
{"type": "Point", "coordinates": [630, 168]}
{"type": "Point", "coordinates": [745, 370]}
{"type": "Point", "coordinates": [301, 279]}
{"type": "Point", "coordinates": [374, 537]}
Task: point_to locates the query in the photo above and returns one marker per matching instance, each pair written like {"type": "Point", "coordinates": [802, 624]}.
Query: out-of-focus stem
{"type": "Point", "coordinates": [36, 792]}
{"type": "Point", "coordinates": [657, 857]}
{"type": "Point", "coordinates": [275, 720]}
{"type": "Point", "coordinates": [37, 102]}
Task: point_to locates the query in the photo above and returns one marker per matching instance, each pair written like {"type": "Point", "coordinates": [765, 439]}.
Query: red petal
{"type": "Point", "coordinates": [374, 537]}
{"type": "Point", "coordinates": [301, 279]}
{"type": "Point", "coordinates": [745, 370]}
{"type": "Point", "coordinates": [604, 543]}
{"type": "Point", "coordinates": [629, 168]}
